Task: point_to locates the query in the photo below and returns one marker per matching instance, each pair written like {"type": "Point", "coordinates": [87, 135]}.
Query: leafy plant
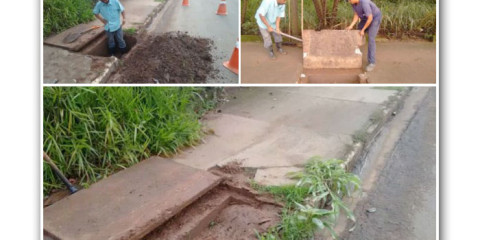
{"type": "Point", "coordinates": [326, 183]}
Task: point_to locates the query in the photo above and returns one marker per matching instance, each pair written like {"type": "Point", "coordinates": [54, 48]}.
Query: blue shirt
{"type": "Point", "coordinates": [111, 12]}
{"type": "Point", "coordinates": [270, 9]}
{"type": "Point", "coordinates": [366, 7]}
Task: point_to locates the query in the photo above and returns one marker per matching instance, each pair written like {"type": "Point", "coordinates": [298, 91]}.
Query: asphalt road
{"type": "Point", "coordinates": [404, 192]}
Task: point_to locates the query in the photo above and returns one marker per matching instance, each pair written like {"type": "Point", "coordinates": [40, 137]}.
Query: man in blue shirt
{"type": "Point", "coordinates": [370, 18]}
{"type": "Point", "coordinates": [108, 12]}
{"type": "Point", "coordinates": [268, 17]}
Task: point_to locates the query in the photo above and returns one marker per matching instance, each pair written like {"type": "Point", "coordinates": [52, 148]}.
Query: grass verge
{"type": "Point", "coordinates": [59, 15]}
{"type": "Point", "coordinates": [91, 132]}
{"type": "Point", "coordinates": [315, 202]}
{"type": "Point", "coordinates": [401, 18]}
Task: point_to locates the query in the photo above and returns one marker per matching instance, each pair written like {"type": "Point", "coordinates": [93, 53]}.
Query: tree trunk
{"type": "Point", "coordinates": [334, 12]}
{"type": "Point", "coordinates": [324, 15]}
{"type": "Point", "coordinates": [244, 10]}
{"type": "Point", "coordinates": [294, 17]}
{"type": "Point", "coordinates": [318, 10]}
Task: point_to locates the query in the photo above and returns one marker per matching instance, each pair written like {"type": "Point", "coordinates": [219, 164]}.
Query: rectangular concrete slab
{"type": "Point", "coordinates": [57, 39]}
{"type": "Point", "coordinates": [139, 14]}
{"type": "Point", "coordinates": [331, 49]}
{"type": "Point", "coordinates": [130, 203]}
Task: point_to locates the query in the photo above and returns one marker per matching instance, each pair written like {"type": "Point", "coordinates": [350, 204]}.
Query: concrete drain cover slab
{"type": "Point", "coordinates": [331, 49]}
{"type": "Point", "coordinates": [128, 204]}
{"type": "Point", "coordinates": [81, 42]}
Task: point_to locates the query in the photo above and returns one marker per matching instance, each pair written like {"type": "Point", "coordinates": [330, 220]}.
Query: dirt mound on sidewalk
{"type": "Point", "coordinates": [173, 57]}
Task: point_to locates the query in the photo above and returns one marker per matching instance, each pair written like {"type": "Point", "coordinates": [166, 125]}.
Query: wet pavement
{"type": "Point", "coordinates": [404, 192]}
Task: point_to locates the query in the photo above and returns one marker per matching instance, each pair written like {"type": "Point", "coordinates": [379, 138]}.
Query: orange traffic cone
{"type": "Point", "coordinates": [232, 64]}
{"type": "Point", "coordinates": [222, 8]}
{"type": "Point", "coordinates": [185, 3]}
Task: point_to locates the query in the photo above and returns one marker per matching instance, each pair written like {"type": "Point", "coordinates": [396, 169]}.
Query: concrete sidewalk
{"type": "Point", "coordinates": [276, 130]}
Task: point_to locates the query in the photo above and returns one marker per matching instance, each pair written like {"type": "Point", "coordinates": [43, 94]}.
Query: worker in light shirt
{"type": "Point", "coordinates": [108, 12]}
{"type": "Point", "coordinates": [268, 18]}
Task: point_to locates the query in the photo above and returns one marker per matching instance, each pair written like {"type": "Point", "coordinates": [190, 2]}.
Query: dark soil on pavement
{"type": "Point", "coordinates": [174, 57]}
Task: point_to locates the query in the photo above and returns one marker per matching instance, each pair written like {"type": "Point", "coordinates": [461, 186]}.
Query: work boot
{"type": "Point", "coordinates": [370, 67]}
{"type": "Point", "coordinates": [271, 54]}
{"type": "Point", "coordinates": [123, 50]}
{"type": "Point", "coordinates": [280, 49]}
{"type": "Point", "coordinates": [111, 51]}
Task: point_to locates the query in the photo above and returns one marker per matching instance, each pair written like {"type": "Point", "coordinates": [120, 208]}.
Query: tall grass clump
{"type": "Point", "coordinates": [59, 15]}
{"type": "Point", "coordinates": [91, 132]}
{"type": "Point", "coordinates": [401, 18]}
{"type": "Point", "coordinates": [315, 202]}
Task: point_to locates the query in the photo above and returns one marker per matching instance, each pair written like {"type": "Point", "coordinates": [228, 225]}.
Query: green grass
{"type": "Point", "coordinates": [401, 18]}
{"type": "Point", "coordinates": [130, 31]}
{"type": "Point", "coordinates": [315, 202]}
{"type": "Point", "coordinates": [91, 132]}
{"type": "Point", "coordinates": [59, 15]}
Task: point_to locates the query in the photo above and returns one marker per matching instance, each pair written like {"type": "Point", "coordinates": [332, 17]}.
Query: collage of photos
{"type": "Point", "coordinates": [239, 119]}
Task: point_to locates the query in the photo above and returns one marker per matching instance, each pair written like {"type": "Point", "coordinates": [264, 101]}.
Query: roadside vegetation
{"type": "Point", "coordinates": [401, 18]}
{"type": "Point", "coordinates": [315, 202]}
{"type": "Point", "coordinates": [91, 132]}
{"type": "Point", "coordinates": [59, 15]}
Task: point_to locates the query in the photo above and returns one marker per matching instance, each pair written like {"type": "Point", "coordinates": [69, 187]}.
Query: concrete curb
{"type": "Point", "coordinates": [373, 129]}
{"type": "Point", "coordinates": [148, 21]}
{"type": "Point", "coordinates": [107, 71]}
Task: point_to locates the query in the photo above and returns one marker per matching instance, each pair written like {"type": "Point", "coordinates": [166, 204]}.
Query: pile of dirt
{"type": "Point", "coordinates": [173, 57]}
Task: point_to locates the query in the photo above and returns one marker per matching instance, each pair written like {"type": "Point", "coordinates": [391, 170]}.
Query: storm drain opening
{"type": "Point", "coordinates": [99, 47]}
{"type": "Point", "coordinates": [232, 210]}
{"type": "Point", "coordinates": [222, 213]}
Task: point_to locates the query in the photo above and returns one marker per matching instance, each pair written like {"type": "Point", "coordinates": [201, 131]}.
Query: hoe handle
{"type": "Point", "coordinates": [292, 37]}
{"type": "Point", "coordinates": [59, 174]}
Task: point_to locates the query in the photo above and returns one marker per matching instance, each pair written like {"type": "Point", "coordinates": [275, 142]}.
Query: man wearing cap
{"type": "Point", "coordinates": [108, 12]}
{"type": "Point", "coordinates": [370, 18]}
{"type": "Point", "coordinates": [268, 17]}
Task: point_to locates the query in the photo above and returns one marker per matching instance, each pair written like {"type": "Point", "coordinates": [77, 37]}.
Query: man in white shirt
{"type": "Point", "coordinates": [268, 19]}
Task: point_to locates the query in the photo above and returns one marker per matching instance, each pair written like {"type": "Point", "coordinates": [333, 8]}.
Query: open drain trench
{"type": "Point", "coordinates": [223, 213]}
{"type": "Point", "coordinates": [99, 47]}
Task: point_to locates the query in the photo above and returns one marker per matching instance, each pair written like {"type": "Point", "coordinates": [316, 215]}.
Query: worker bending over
{"type": "Point", "coordinates": [370, 18]}
{"type": "Point", "coordinates": [268, 17]}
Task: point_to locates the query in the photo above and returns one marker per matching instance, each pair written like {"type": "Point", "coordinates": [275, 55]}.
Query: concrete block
{"type": "Point", "coordinates": [128, 204]}
{"type": "Point", "coordinates": [332, 49]}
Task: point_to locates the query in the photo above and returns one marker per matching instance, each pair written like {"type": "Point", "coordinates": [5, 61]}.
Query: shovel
{"type": "Point", "coordinates": [292, 37]}
{"type": "Point", "coordinates": [72, 37]}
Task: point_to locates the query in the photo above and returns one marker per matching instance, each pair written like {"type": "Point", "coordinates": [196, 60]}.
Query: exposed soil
{"type": "Point", "coordinates": [231, 211]}
{"type": "Point", "coordinates": [173, 57]}
{"type": "Point", "coordinates": [397, 62]}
